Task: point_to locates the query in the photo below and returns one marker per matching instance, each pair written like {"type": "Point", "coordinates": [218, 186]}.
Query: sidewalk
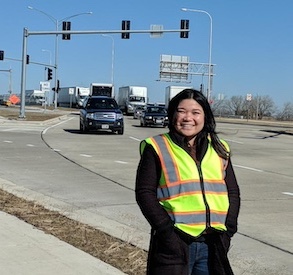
{"type": "Point", "coordinates": [26, 250]}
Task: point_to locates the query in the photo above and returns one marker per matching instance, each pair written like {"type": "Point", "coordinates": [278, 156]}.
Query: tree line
{"type": "Point", "coordinates": [259, 107]}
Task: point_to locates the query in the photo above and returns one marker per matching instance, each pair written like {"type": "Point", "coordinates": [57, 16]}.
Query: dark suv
{"type": "Point", "coordinates": [101, 113]}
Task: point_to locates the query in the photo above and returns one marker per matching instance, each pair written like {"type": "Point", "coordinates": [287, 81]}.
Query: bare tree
{"type": "Point", "coordinates": [287, 112]}
{"type": "Point", "coordinates": [237, 105]}
{"type": "Point", "coordinates": [263, 106]}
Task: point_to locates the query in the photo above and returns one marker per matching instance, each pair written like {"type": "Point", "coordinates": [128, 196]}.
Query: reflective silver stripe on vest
{"type": "Point", "coordinates": [171, 169]}
{"type": "Point", "coordinates": [198, 218]}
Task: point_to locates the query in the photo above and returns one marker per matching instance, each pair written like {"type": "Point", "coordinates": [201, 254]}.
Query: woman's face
{"type": "Point", "coordinates": [189, 118]}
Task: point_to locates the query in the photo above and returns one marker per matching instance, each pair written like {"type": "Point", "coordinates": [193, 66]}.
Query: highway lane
{"type": "Point", "coordinates": [262, 162]}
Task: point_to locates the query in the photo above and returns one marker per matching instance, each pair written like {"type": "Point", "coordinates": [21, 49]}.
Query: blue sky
{"type": "Point", "coordinates": [252, 45]}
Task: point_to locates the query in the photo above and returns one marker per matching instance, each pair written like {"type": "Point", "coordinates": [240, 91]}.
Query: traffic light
{"type": "Point", "coordinates": [184, 26]}
{"type": "Point", "coordinates": [201, 88]}
{"type": "Point", "coordinates": [1, 55]}
{"type": "Point", "coordinates": [125, 27]}
{"type": "Point", "coordinates": [49, 74]}
{"type": "Point", "coordinates": [58, 87]}
{"type": "Point", "coordinates": [66, 26]}
{"type": "Point", "coordinates": [27, 59]}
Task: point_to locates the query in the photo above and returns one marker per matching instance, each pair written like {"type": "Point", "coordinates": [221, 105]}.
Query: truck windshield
{"type": "Point", "coordinates": [137, 98]}
{"type": "Point", "coordinates": [101, 90]}
{"type": "Point", "coordinates": [101, 103]}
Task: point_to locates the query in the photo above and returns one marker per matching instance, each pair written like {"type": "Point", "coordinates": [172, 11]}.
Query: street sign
{"type": "Point", "coordinates": [156, 28]}
{"type": "Point", "coordinates": [45, 86]}
{"type": "Point", "coordinates": [71, 91]}
{"type": "Point", "coordinates": [249, 97]}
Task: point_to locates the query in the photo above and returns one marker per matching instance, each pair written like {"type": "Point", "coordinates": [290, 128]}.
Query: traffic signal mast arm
{"type": "Point", "coordinates": [27, 33]}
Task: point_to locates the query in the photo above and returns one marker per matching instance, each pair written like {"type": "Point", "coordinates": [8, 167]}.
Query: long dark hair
{"type": "Point", "coordinates": [209, 128]}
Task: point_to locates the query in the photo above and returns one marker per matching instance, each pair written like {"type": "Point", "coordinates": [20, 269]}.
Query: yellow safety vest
{"type": "Point", "coordinates": [194, 196]}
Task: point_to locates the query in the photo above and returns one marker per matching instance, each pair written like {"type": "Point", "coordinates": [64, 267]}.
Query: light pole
{"type": "Point", "coordinates": [113, 54]}
{"type": "Point", "coordinates": [57, 22]}
{"type": "Point", "coordinates": [210, 49]}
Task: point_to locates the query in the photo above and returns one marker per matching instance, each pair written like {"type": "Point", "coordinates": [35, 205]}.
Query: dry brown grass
{"type": "Point", "coordinates": [124, 256]}
{"type": "Point", "coordinates": [12, 113]}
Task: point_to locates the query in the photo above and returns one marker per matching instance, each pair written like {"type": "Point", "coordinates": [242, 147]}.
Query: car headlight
{"type": "Point", "coordinates": [90, 115]}
{"type": "Point", "coordinates": [119, 116]}
{"type": "Point", "coordinates": [149, 117]}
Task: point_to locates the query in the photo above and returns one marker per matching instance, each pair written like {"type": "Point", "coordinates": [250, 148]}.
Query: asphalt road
{"type": "Point", "coordinates": [91, 177]}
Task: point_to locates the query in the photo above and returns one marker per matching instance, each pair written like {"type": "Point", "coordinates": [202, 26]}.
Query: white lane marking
{"type": "Point", "coordinates": [84, 155]}
{"type": "Point", "coordinates": [287, 193]}
{"type": "Point", "coordinates": [9, 129]}
{"type": "Point", "coordinates": [234, 141]}
{"type": "Point", "coordinates": [22, 129]}
{"type": "Point", "coordinates": [30, 145]}
{"type": "Point", "coordinates": [56, 150]}
{"type": "Point", "coordinates": [44, 132]}
{"type": "Point", "coordinates": [135, 138]}
{"type": "Point", "coordinates": [7, 141]}
{"type": "Point", "coordinates": [248, 168]}
{"type": "Point", "coordinates": [122, 162]}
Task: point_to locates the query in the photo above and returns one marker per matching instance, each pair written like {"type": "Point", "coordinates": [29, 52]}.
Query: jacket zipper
{"type": "Point", "coordinates": [208, 214]}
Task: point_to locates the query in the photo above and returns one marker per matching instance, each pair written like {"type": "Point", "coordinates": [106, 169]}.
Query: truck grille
{"type": "Point", "coordinates": [104, 116]}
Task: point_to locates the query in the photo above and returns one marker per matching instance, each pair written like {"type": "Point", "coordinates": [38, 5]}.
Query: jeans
{"type": "Point", "coordinates": [198, 258]}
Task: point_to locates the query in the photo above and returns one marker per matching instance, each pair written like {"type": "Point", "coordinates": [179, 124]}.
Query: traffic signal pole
{"type": "Point", "coordinates": [27, 33]}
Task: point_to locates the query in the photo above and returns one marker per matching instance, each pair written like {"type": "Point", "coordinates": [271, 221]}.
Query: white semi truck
{"type": "Point", "coordinates": [35, 97]}
{"type": "Point", "coordinates": [72, 96]}
{"type": "Point", "coordinates": [102, 89]}
{"type": "Point", "coordinates": [130, 97]}
{"type": "Point", "coordinates": [171, 91]}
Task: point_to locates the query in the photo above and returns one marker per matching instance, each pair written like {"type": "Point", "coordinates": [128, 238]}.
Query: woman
{"type": "Point", "coordinates": [187, 190]}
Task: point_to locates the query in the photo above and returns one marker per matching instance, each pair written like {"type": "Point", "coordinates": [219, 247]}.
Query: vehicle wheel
{"type": "Point", "coordinates": [120, 131]}
{"type": "Point", "coordinates": [83, 128]}
{"type": "Point", "coordinates": [80, 127]}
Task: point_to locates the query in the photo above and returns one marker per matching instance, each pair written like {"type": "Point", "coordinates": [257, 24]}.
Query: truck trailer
{"type": "Point", "coordinates": [72, 96]}
{"type": "Point", "coordinates": [171, 91]}
{"type": "Point", "coordinates": [130, 97]}
{"type": "Point", "coordinates": [102, 89]}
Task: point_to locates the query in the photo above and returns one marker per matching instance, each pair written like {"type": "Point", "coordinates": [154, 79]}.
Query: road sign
{"type": "Point", "coordinates": [156, 28]}
{"type": "Point", "coordinates": [249, 97]}
{"type": "Point", "coordinates": [45, 86]}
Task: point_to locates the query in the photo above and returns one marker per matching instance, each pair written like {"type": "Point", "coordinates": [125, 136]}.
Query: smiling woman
{"type": "Point", "coordinates": [187, 190]}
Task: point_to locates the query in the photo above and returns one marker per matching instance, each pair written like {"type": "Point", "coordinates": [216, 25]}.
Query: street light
{"type": "Point", "coordinates": [57, 22]}
{"type": "Point", "coordinates": [210, 48]}
{"type": "Point", "coordinates": [112, 68]}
